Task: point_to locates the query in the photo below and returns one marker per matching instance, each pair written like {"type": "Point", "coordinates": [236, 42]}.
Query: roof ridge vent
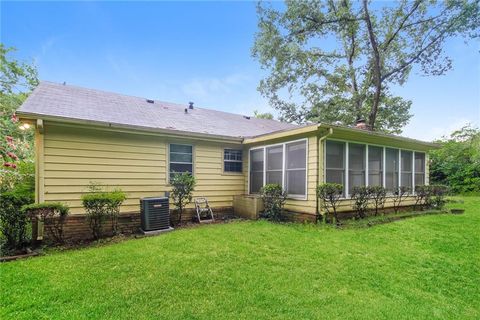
{"type": "Point", "coordinates": [150, 101]}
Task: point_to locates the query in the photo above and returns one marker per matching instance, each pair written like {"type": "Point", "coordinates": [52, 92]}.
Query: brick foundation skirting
{"type": "Point", "coordinates": [76, 225]}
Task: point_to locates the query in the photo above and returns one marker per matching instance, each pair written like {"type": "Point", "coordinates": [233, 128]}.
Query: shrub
{"type": "Point", "coordinates": [422, 196]}
{"type": "Point", "coordinates": [101, 205]}
{"type": "Point", "coordinates": [52, 214]}
{"type": "Point", "coordinates": [330, 194]}
{"type": "Point", "coordinates": [438, 196]}
{"type": "Point", "coordinates": [377, 194]}
{"type": "Point", "coordinates": [273, 197]}
{"type": "Point", "coordinates": [360, 196]}
{"type": "Point", "coordinates": [399, 194]}
{"type": "Point", "coordinates": [13, 221]}
{"type": "Point", "coordinates": [183, 185]}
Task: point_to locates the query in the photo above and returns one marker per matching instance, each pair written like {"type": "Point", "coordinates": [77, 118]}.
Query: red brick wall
{"type": "Point", "coordinates": [76, 225]}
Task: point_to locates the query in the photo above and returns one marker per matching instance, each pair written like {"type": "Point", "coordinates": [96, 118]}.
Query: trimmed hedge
{"type": "Point", "coordinates": [53, 215]}
{"type": "Point", "coordinates": [102, 205]}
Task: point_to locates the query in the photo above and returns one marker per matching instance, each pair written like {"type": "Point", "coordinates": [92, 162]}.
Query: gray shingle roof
{"type": "Point", "coordinates": [72, 102]}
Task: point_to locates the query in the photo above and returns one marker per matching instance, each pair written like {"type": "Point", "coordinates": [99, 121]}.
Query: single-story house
{"type": "Point", "coordinates": [85, 135]}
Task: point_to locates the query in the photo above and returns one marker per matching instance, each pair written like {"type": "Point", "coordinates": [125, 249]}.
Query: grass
{"type": "Point", "coordinates": [425, 267]}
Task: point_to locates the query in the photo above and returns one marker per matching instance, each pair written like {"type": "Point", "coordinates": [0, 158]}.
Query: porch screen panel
{"type": "Point", "coordinates": [375, 166]}
{"type": "Point", "coordinates": [356, 165]}
{"type": "Point", "coordinates": [295, 166]}
{"type": "Point", "coordinates": [407, 167]}
{"type": "Point", "coordinates": [256, 170]}
{"type": "Point", "coordinates": [419, 168]}
{"type": "Point", "coordinates": [335, 162]}
{"type": "Point", "coordinates": [275, 165]}
{"type": "Point", "coordinates": [391, 169]}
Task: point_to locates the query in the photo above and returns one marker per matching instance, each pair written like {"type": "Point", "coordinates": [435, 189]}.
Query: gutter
{"type": "Point", "coordinates": [101, 124]}
{"type": "Point", "coordinates": [384, 135]}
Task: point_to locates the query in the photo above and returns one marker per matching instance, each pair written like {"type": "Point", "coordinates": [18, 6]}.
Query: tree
{"type": "Point", "coordinates": [259, 115]}
{"type": "Point", "coordinates": [183, 185]}
{"type": "Point", "coordinates": [17, 79]}
{"type": "Point", "coordinates": [457, 163]}
{"type": "Point", "coordinates": [338, 60]}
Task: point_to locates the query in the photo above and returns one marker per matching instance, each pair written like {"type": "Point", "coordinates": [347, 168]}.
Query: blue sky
{"type": "Point", "coordinates": [199, 51]}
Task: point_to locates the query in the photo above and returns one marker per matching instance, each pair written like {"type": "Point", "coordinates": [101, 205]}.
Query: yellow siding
{"type": "Point", "coordinates": [69, 157]}
{"type": "Point", "coordinates": [138, 164]}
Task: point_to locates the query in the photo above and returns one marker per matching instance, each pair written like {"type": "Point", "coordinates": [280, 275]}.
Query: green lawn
{"type": "Point", "coordinates": [425, 267]}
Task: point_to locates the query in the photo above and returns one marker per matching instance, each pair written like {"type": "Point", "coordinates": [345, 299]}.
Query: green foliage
{"type": "Point", "coordinates": [422, 196]}
{"type": "Point", "coordinates": [52, 214]}
{"type": "Point", "coordinates": [23, 178]}
{"type": "Point", "coordinates": [14, 221]}
{"type": "Point", "coordinates": [360, 196]}
{"type": "Point", "coordinates": [17, 79]}
{"type": "Point", "coordinates": [101, 205]}
{"type": "Point", "coordinates": [399, 195]}
{"type": "Point", "coordinates": [60, 208]}
{"type": "Point", "coordinates": [438, 193]}
{"type": "Point", "coordinates": [183, 185]}
{"type": "Point", "coordinates": [457, 163]}
{"type": "Point", "coordinates": [330, 194]}
{"type": "Point", "coordinates": [259, 115]}
{"type": "Point", "coordinates": [331, 61]}
{"type": "Point", "coordinates": [377, 195]}
{"type": "Point", "coordinates": [274, 198]}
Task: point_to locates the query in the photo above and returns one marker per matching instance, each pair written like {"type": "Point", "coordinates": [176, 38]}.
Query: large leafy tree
{"type": "Point", "coordinates": [338, 60]}
{"type": "Point", "coordinates": [17, 79]}
{"type": "Point", "coordinates": [457, 162]}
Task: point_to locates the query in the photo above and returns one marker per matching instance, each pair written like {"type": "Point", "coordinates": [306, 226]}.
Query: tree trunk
{"type": "Point", "coordinates": [376, 68]}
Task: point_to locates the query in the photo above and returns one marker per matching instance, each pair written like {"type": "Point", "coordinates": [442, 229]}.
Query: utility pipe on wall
{"type": "Point", "coordinates": [320, 141]}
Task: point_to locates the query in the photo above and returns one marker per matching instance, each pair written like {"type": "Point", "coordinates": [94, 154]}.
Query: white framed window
{"type": "Point", "coordinates": [256, 170]}
{"type": "Point", "coordinates": [375, 166]}
{"type": "Point", "coordinates": [284, 164]}
{"type": "Point", "coordinates": [296, 168]}
{"type": "Point", "coordinates": [419, 169]}
{"type": "Point", "coordinates": [335, 162]}
{"type": "Point", "coordinates": [232, 160]}
{"type": "Point", "coordinates": [356, 164]}
{"type": "Point", "coordinates": [180, 159]}
{"type": "Point", "coordinates": [406, 161]}
{"type": "Point", "coordinates": [391, 168]}
{"type": "Point", "coordinates": [274, 166]}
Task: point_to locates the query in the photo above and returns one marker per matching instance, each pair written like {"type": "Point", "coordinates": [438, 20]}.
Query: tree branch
{"type": "Point", "coordinates": [401, 26]}
{"type": "Point", "coordinates": [417, 55]}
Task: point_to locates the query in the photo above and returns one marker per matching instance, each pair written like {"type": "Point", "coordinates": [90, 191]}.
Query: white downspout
{"type": "Point", "coordinates": [320, 141]}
